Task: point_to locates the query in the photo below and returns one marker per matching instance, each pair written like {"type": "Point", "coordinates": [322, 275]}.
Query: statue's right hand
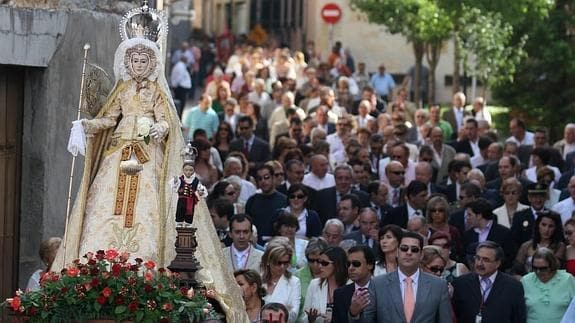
{"type": "Point", "coordinates": [88, 127]}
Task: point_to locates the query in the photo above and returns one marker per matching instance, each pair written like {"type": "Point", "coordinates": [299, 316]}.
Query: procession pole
{"type": "Point", "coordinates": [86, 49]}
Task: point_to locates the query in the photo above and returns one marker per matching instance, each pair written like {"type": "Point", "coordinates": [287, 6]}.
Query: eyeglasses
{"type": "Point", "coordinates": [436, 210]}
{"type": "Point", "coordinates": [405, 248]}
{"type": "Point", "coordinates": [297, 197]}
{"type": "Point", "coordinates": [399, 173]}
{"type": "Point", "coordinates": [282, 263]}
{"type": "Point", "coordinates": [325, 263]}
{"type": "Point", "coordinates": [543, 269]}
{"type": "Point", "coordinates": [266, 177]}
{"type": "Point", "coordinates": [436, 269]}
{"type": "Point", "coordinates": [354, 263]}
{"type": "Point", "coordinates": [278, 175]}
{"type": "Point", "coordinates": [313, 260]}
{"type": "Point", "coordinates": [483, 259]}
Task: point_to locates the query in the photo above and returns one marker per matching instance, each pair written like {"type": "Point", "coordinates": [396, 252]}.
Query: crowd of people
{"type": "Point", "coordinates": [336, 196]}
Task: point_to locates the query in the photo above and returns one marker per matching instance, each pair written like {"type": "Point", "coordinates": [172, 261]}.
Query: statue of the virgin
{"type": "Point", "coordinates": [126, 200]}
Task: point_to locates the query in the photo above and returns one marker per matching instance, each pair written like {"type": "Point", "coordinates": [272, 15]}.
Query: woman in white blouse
{"type": "Point", "coordinates": [510, 190]}
{"type": "Point", "coordinates": [279, 283]}
{"type": "Point", "coordinates": [318, 304]}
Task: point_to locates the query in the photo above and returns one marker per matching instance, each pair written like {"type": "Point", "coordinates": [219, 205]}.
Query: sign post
{"type": "Point", "coordinates": [331, 14]}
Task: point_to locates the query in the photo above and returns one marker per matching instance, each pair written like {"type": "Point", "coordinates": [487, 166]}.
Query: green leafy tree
{"type": "Point", "coordinates": [543, 87]}
{"type": "Point", "coordinates": [487, 47]}
{"type": "Point", "coordinates": [421, 22]}
{"type": "Point", "coordinates": [521, 15]}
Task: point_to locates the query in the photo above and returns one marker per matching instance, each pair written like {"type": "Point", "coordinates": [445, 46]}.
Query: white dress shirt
{"type": "Point", "coordinates": [565, 208]}
{"type": "Point", "coordinates": [484, 289]}
{"type": "Point", "coordinates": [402, 283]}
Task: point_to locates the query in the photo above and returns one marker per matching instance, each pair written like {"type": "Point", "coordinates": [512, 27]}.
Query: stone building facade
{"type": "Point", "coordinates": [41, 56]}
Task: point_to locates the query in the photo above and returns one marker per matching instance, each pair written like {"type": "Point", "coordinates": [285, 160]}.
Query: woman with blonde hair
{"type": "Point", "coordinates": [432, 260]}
{"type": "Point", "coordinates": [278, 281]}
{"type": "Point", "coordinates": [253, 292]}
{"type": "Point", "coordinates": [437, 219]}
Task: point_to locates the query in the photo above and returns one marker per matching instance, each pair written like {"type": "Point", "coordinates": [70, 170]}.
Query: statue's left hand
{"type": "Point", "coordinates": [159, 131]}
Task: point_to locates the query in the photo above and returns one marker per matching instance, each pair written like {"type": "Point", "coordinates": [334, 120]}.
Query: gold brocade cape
{"type": "Point", "coordinates": [214, 274]}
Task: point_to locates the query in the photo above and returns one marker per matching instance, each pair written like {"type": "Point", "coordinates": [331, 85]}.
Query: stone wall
{"type": "Point", "coordinates": [49, 43]}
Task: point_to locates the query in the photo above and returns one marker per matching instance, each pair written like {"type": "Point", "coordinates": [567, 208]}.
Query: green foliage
{"type": "Point", "coordinates": [486, 45]}
{"type": "Point", "coordinates": [543, 89]}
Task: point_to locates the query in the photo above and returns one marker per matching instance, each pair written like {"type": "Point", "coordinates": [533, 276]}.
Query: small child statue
{"type": "Point", "coordinates": [189, 189]}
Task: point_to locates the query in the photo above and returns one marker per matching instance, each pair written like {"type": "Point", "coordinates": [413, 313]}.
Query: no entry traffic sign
{"type": "Point", "coordinates": [331, 13]}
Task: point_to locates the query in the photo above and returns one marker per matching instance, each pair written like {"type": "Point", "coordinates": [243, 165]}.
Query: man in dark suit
{"type": "Point", "coordinates": [459, 168]}
{"type": "Point", "coordinates": [508, 166]}
{"type": "Point", "coordinates": [376, 152]}
{"type": "Point", "coordinates": [417, 195]}
{"type": "Point", "coordinates": [484, 227]}
{"type": "Point", "coordinates": [367, 234]}
{"type": "Point", "coordinates": [522, 226]}
{"type": "Point", "coordinates": [469, 192]}
{"type": "Point", "coordinates": [424, 174]}
{"type": "Point", "coordinates": [489, 293]}
{"type": "Point", "coordinates": [328, 199]}
{"type": "Point", "coordinates": [395, 298]}
{"type": "Point", "coordinates": [378, 198]}
{"type": "Point", "coordinates": [470, 145]}
{"type": "Point", "coordinates": [256, 150]}
{"type": "Point", "coordinates": [456, 114]}
{"type": "Point", "coordinates": [354, 297]}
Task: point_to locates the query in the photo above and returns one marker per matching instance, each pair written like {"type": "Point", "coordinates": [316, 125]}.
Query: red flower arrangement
{"type": "Point", "coordinates": [108, 286]}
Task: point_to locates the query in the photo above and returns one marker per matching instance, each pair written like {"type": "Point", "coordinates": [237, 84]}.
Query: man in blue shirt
{"type": "Point", "coordinates": [202, 116]}
{"type": "Point", "coordinates": [383, 83]}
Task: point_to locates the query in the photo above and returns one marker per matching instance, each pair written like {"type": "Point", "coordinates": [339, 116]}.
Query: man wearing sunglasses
{"type": "Point", "coordinates": [261, 206]}
{"type": "Point", "coordinates": [354, 297]}
{"type": "Point", "coordinates": [407, 295]}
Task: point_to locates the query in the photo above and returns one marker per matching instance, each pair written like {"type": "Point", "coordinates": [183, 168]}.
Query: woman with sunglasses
{"type": "Point", "coordinates": [432, 261]}
{"type": "Point", "coordinates": [253, 292]}
{"type": "Point", "coordinates": [286, 225]}
{"type": "Point", "coordinates": [309, 222]}
{"type": "Point", "coordinates": [452, 268]}
{"type": "Point", "coordinates": [548, 233]}
{"type": "Point", "coordinates": [389, 237]}
{"type": "Point", "coordinates": [511, 191]}
{"type": "Point", "coordinates": [570, 249]}
{"type": "Point", "coordinates": [280, 285]}
{"type": "Point", "coordinates": [437, 219]}
{"type": "Point", "coordinates": [548, 290]}
{"type": "Point", "coordinates": [312, 269]}
{"type": "Point", "coordinates": [222, 138]}
{"type": "Point", "coordinates": [319, 297]}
